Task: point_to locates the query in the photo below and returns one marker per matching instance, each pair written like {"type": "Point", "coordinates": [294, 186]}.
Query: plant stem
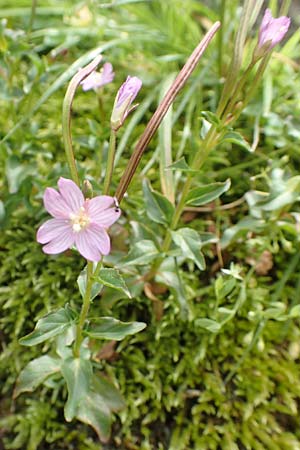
{"type": "Point", "coordinates": [110, 162]}
{"type": "Point", "coordinates": [32, 15]}
{"type": "Point", "coordinates": [161, 111]}
{"type": "Point", "coordinates": [66, 114]}
{"type": "Point", "coordinates": [84, 309]}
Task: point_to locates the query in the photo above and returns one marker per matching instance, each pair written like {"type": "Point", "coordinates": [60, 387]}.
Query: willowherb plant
{"type": "Point", "coordinates": [82, 222]}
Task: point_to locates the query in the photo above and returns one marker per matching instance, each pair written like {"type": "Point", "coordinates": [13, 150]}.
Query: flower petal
{"type": "Point", "coordinates": [102, 210]}
{"type": "Point", "coordinates": [55, 204]}
{"type": "Point", "coordinates": [52, 229]}
{"type": "Point", "coordinates": [93, 242]}
{"type": "Point", "coordinates": [71, 194]}
{"type": "Point", "coordinates": [60, 243]}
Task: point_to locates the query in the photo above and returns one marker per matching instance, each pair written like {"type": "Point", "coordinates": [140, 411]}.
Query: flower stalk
{"type": "Point", "coordinates": [66, 115]}
{"type": "Point", "coordinates": [84, 309]}
{"type": "Point", "coordinates": [110, 162]}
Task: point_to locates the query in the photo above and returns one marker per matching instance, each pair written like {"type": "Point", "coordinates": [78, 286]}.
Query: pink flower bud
{"type": "Point", "coordinates": [125, 96]}
{"type": "Point", "coordinates": [271, 32]}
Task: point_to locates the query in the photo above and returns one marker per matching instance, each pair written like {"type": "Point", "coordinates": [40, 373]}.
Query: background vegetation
{"type": "Point", "coordinates": [217, 367]}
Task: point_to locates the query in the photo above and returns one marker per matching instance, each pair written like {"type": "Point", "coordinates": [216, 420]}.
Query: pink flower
{"type": "Point", "coordinates": [77, 221]}
{"type": "Point", "coordinates": [272, 31]}
{"type": "Point", "coordinates": [97, 79]}
{"type": "Point", "coordinates": [125, 96]}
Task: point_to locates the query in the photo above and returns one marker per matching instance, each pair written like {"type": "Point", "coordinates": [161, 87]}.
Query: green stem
{"type": "Point", "coordinates": [66, 114]}
{"type": "Point", "coordinates": [32, 15]}
{"type": "Point", "coordinates": [199, 160]}
{"type": "Point", "coordinates": [84, 309]}
{"type": "Point", "coordinates": [110, 162]}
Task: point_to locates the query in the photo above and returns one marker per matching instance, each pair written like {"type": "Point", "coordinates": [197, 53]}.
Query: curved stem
{"type": "Point", "coordinates": [110, 162]}
{"type": "Point", "coordinates": [66, 114]}
{"type": "Point", "coordinates": [84, 309]}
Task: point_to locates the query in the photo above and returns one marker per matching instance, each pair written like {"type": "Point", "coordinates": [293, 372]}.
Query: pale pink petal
{"type": "Point", "coordinates": [102, 210]}
{"type": "Point", "coordinates": [56, 205]}
{"type": "Point", "coordinates": [60, 243]}
{"type": "Point", "coordinates": [71, 194]}
{"type": "Point", "coordinates": [52, 229]}
{"type": "Point", "coordinates": [272, 30]}
{"type": "Point", "coordinates": [93, 242]}
{"type": "Point", "coordinates": [107, 73]}
{"type": "Point", "coordinates": [93, 81]}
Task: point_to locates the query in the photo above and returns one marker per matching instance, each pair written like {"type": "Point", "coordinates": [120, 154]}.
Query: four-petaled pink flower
{"type": "Point", "coordinates": [125, 96]}
{"type": "Point", "coordinates": [77, 221]}
{"type": "Point", "coordinates": [97, 79]}
{"type": "Point", "coordinates": [271, 32]}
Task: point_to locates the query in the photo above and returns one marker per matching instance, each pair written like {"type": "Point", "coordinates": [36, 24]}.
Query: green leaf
{"type": "Point", "coordinates": [49, 326]}
{"type": "Point", "coordinates": [209, 325]}
{"type": "Point", "coordinates": [81, 281]}
{"type": "Point", "coordinates": [36, 373]}
{"type": "Point", "coordinates": [211, 117]}
{"type": "Point", "coordinates": [295, 311]}
{"type": "Point", "coordinates": [165, 144]}
{"type": "Point", "coordinates": [182, 165]}
{"type": "Point", "coordinates": [77, 373]}
{"type": "Point", "coordinates": [247, 223]}
{"type": "Point", "coordinates": [112, 278]}
{"type": "Point", "coordinates": [206, 194]}
{"type": "Point", "coordinates": [190, 244]}
{"type": "Point", "coordinates": [94, 412]}
{"type": "Point", "coordinates": [142, 253]}
{"type": "Point", "coordinates": [109, 393]}
{"type": "Point", "coordinates": [237, 139]}
{"type": "Point", "coordinates": [282, 199]}
{"type": "Point", "coordinates": [158, 208]}
{"type": "Point", "coordinates": [111, 328]}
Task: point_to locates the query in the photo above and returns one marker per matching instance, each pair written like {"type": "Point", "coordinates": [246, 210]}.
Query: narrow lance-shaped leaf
{"type": "Point", "coordinates": [165, 146]}
{"type": "Point", "coordinates": [111, 328]}
{"type": "Point", "coordinates": [206, 194]}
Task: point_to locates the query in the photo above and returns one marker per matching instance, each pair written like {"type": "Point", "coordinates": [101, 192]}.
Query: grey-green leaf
{"type": "Point", "coordinates": [49, 326]}
{"type": "Point", "coordinates": [77, 373]}
{"type": "Point", "coordinates": [111, 328]}
{"type": "Point", "coordinates": [112, 278]}
{"type": "Point", "coordinates": [190, 244]}
{"type": "Point", "coordinates": [158, 208]}
{"type": "Point", "coordinates": [109, 393]}
{"type": "Point", "coordinates": [94, 412]}
{"type": "Point", "coordinates": [36, 373]}
{"type": "Point", "coordinates": [142, 253]}
{"type": "Point", "coordinates": [206, 194]}
{"type": "Point", "coordinates": [181, 165]}
{"type": "Point", "coordinates": [237, 139]}
{"type": "Point", "coordinates": [209, 325]}
{"type": "Point", "coordinates": [81, 281]}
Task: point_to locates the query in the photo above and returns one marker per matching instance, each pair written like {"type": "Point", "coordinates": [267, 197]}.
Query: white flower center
{"type": "Point", "coordinates": [80, 220]}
